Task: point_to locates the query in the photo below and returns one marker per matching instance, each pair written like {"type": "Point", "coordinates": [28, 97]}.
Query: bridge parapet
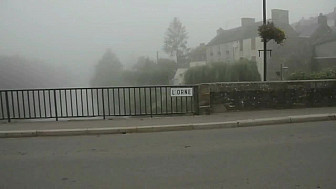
{"type": "Point", "coordinates": [227, 96]}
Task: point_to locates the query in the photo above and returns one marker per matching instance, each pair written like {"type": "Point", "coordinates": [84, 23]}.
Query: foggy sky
{"type": "Point", "coordinates": [75, 33]}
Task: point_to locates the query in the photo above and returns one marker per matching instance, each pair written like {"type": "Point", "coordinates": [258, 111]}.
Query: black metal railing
{"type": "Point", "coordinates": [92, 102]}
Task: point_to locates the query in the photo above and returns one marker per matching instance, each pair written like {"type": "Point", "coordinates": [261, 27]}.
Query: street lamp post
{"type": "Point", "coordinates": [265, 43]}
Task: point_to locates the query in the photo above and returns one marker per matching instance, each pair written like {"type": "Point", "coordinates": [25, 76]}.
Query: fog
{"type": "Point", "coordinates": [71, 36]}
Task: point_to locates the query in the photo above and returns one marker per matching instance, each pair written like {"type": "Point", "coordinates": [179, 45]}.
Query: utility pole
{"type": "Point", "coordinates": [265, 43]}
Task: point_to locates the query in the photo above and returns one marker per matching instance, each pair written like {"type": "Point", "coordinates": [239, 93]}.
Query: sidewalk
{"type": "Point", "coordinates": [125, 122]}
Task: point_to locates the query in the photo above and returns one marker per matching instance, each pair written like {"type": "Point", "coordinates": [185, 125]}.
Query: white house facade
{"type": "Point", "coordinates": [243, 42]}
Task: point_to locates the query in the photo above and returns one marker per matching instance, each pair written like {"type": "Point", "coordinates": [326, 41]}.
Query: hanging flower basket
{"type": "Point", "coordinates": [268, 32]}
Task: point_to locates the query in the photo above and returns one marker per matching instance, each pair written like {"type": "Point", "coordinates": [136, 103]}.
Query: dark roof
{"type": "Point", "coordinates": [307, 31]}
{"type": "Point", "coordinates": [246, 32]}
{"type": "Point", "coordinates": [235, 34]}
{"type": "Point", "coordinates": [307, 27]}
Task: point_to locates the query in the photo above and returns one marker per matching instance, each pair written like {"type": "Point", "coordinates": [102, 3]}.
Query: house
{"type": "Point", "coordinates": [320, 31]}
{"type": "Point", "coordinates": [324, 44]}
{"type": "Point", "coordinates": [307, 27]}
{"type": "Point", "coordinates": [325, 53]}
{"type": "Point", "coordinates": [244, 42]}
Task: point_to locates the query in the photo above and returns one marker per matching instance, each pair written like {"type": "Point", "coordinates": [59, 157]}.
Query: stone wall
{"type": "Point", "coordinates": [221, 97]}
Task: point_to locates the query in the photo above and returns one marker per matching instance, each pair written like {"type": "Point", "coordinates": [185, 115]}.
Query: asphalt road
{"type": "Point", "coordinates": [279, 156]}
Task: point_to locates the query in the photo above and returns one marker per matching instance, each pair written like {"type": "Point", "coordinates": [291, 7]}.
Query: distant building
{"type": "Point", "coordinates": [310, 44]}
{"type": "Point", "coordinates": [244, 42]}
{"type": "Point", "coordinates": [320, 31]}
{"type": "Point", "coordinates": [307, 27]}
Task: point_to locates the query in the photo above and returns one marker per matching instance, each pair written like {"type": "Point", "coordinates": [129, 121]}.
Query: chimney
{"type": "Point", "coordinates": [322, 19]}
{"type": "Point", "coordinates": [280, 17]}
{"type": "Point", "coordinates": [219, 31]}
{"type": "Point", "coordinates": [247, 22]}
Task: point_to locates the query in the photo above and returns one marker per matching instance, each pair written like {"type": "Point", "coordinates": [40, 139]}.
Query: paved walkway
{"type": "Point", "coordinates": [112, 122]}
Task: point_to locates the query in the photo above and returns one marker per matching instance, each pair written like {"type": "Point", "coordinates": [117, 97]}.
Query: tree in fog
{"type": "Point", "coordinates": [143, 64]}
{"type": "Point", "coordinates": [108, 70]}
{"type": "Point", "coordinates": [175, 40]}
{"type": "Point", "coordinates": [147, 72]}
{"type": "Point", "coordinates": [197, 53]}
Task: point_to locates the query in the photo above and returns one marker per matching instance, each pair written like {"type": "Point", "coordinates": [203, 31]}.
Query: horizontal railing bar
{"type": "Point", "coordinates": [117, 115]}
{"type": "Point", "coordinates": [116, 87]}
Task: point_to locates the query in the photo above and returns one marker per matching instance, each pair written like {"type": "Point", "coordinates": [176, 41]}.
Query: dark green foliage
{"type": "Point", "coordinates": [108, 71]}
{"type": "Point", "coordinates": [198, 53]}
{"type": "Point", "coordinates": [329, 74]}
{"type": "Point", "coordinates": [268, 32]}
{"type": "Point", "coordinates": [243, 70]}
{"type": "Point", "coordinates": [147, 72]}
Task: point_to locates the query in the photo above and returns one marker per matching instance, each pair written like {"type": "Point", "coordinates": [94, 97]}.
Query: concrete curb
{"type": "Point", "coordinates": [165, 128]}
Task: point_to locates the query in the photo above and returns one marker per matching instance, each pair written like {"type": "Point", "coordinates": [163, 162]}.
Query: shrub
{"type": "Point", "coordinates": [243, 70]}
{"type": "Point", "coordinates": [329, 74]}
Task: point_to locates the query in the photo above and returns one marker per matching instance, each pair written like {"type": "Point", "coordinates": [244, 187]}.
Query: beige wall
{"type": "Point", "coordinates": [326, 49]}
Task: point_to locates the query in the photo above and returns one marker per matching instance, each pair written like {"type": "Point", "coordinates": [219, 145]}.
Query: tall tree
{"type": "Point", "coordinates": [108, 70]}
{"type": "Point", "coordinates": [144, 64]}
{"type": "Point", "coordinates": [175, 41]}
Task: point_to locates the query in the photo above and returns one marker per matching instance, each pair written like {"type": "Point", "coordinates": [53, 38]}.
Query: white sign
{"type": "Point", "coordinates": [181, 92]}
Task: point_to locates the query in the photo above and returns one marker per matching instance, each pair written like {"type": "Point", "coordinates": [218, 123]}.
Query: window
{"type": "Point", "coordinates": [253, 43]}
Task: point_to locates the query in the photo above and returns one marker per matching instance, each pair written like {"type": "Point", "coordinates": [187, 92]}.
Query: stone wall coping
{"type": "Point", "coordinates": [271, 82]}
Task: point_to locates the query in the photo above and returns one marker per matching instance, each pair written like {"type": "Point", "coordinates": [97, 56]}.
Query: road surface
{"type": "Point", "coordinates": [278, 156]}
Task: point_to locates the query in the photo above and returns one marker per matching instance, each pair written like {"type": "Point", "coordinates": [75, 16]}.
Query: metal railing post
{"type": "Point", "coordinates": [103, 103]}
{"type": "Point", "coordinates": [7, 106]}
{"type": "Point", "coordinates": [150, 101]}
{"type": "Point", "coordinates": [55, 102]}
{"type": "Point", "coordinates": [196, 100]}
